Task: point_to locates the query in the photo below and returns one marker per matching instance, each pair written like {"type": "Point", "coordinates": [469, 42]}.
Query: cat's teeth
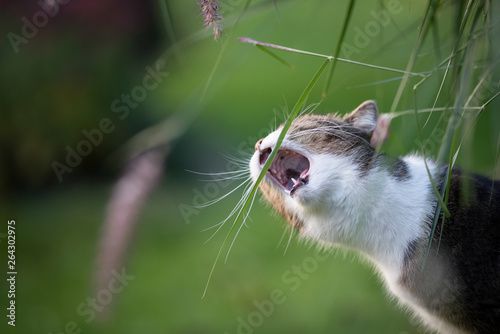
{"type": "Point", "coordinates": [305, 174]}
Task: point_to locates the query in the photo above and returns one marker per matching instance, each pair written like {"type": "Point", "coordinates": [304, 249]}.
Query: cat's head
{"type": "Point", "coordinates": [320, 161]}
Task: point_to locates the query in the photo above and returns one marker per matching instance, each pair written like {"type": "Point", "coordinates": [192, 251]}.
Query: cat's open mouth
{"type": "Point", "coordinates": [289, 169]}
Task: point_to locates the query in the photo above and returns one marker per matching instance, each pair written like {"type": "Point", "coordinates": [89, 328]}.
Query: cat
{"type": "Point", "coordinates": [331, 185]}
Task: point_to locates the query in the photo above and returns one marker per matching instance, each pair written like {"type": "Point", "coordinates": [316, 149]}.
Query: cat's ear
{"type": "Point", "coordinates": [364, 117]}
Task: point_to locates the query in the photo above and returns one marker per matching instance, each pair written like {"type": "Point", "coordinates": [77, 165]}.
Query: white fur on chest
{"type": "Point", "coordinates": [374, 214]}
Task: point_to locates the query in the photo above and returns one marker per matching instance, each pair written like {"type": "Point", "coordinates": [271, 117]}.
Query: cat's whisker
{"type": "Point", "coordinates": [219, 225]}
{"type": "Point", "coordinates": [204, 205]}
{"type": "Point", "coordinates": [282, 236]}
{"type": "Point", "coordinates": [233, 212]}
{"type": "Point", "coordinates": [248, 183]}
{"type": "Point", "coordinates": [211, 228]}
{"type": "Point", "coordinates": [289, 241]}
{"type": "Point", "coordinates": [218, 173]}
{"type": "Point", "coordinates": [285, 113]}
{"type": "Point", "coordinates": [243, 223]}
{"type": "Point", "coordinates": [239, 174]}
{"type": "Point", "coordinates": [236, 160]}
{"type": "Point", "coordinates": [227, 178]}
{"type": "Point", "coordinates": [250, 219]}
{"type": "Point", "coordinates": [275, 123]}
{"type": "Point", "coordinates": [309, 109]}
{"type": "Point", "coordinates": [239, 205]}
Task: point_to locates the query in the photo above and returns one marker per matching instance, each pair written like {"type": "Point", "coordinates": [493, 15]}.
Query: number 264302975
{"type": "Point", "coordinates": [11, 240]}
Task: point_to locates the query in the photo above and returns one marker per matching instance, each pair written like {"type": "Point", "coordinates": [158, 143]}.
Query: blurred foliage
{"type": "Point", "coordinates": [63, 80]}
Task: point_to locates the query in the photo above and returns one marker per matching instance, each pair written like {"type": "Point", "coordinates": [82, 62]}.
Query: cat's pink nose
{"type": "Point", "coordinates": [257, 146]}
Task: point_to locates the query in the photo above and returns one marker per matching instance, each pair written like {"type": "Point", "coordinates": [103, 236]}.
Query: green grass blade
{"type": "Point", "coordinates": [169, 28]}
{"type": "Point", "coordinates": [436, 218]}
{"type": "Point", "coordinates": [481, 110]}
{"type": "Point", "coordinates": [478, 113]}
{"type": "Point", "coordinates": [298, 106]}
{"type": "Point", "coordinates": [339, 44]}
{"type": "Point", "coordinates": [275, 56]}
{"type": "Point", "coordinates": [431, 178]}
{"type": "Point", "coordinates": [411, 62]}
{"type": "Point", "coordinates": [461, 79]}
{"type": "Point", "coordinates": [276, 10]}
{"type": "Point", "coordinates": [473, 124]}
{"type": "Point", "coordinates": [441, 205]}
{"type": "Point", "coordinates": [284, 48]}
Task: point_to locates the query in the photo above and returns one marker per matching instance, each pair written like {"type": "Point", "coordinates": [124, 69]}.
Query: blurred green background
{"type": "Point", "coordinates": [60, 80]}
